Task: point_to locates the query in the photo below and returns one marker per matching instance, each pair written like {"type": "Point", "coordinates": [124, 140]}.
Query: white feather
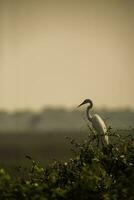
{"type": "Point", "coordinates": [100, 127]}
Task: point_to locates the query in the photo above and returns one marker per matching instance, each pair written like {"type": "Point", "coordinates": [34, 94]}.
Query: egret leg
{"type": "Point", "coordinates": [97, 141]}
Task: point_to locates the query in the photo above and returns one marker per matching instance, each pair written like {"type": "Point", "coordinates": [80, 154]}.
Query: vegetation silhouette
{"type": "Point", "coordinates": [93, 173]}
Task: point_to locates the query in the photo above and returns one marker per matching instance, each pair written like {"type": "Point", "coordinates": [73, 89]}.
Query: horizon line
{"type": "Point", "coordinates": [61, 107]}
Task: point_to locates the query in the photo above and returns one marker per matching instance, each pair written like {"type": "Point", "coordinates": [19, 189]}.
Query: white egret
{"type": "Point", "coordinates": [97, 123]}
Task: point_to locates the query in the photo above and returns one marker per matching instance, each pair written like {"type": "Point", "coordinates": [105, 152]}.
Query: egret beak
{"type": "Point", "coordinates": [80, 104]}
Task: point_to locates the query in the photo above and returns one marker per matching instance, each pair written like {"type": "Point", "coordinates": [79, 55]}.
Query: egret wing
{"type": "Point", "coordinates": [99, 125]}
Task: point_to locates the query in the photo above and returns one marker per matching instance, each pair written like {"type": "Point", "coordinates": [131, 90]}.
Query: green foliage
{"type": "Point", "coordinates": [94, 173]}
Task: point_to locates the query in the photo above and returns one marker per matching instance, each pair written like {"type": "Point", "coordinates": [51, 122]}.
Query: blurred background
{"type": "Point", "coordinates": [53, 55]}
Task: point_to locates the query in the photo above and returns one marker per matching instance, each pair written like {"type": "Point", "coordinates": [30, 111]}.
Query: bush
{"type": "Point", "coordinates": [94, 173]}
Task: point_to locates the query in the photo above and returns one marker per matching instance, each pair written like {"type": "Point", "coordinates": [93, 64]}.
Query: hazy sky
{"type": "Point", "coordinates": [61, 52]}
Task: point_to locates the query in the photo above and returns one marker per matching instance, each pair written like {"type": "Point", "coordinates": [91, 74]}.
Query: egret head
{"type": "Point", "coordinates": [85, 102]}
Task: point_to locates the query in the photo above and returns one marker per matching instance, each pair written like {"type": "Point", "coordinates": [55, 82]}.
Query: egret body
{"type": "Point", "coordinates": [97, 123]}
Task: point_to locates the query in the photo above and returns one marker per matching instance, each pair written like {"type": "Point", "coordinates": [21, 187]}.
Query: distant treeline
{"type": "Point", "coordinates": [61, 119]}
